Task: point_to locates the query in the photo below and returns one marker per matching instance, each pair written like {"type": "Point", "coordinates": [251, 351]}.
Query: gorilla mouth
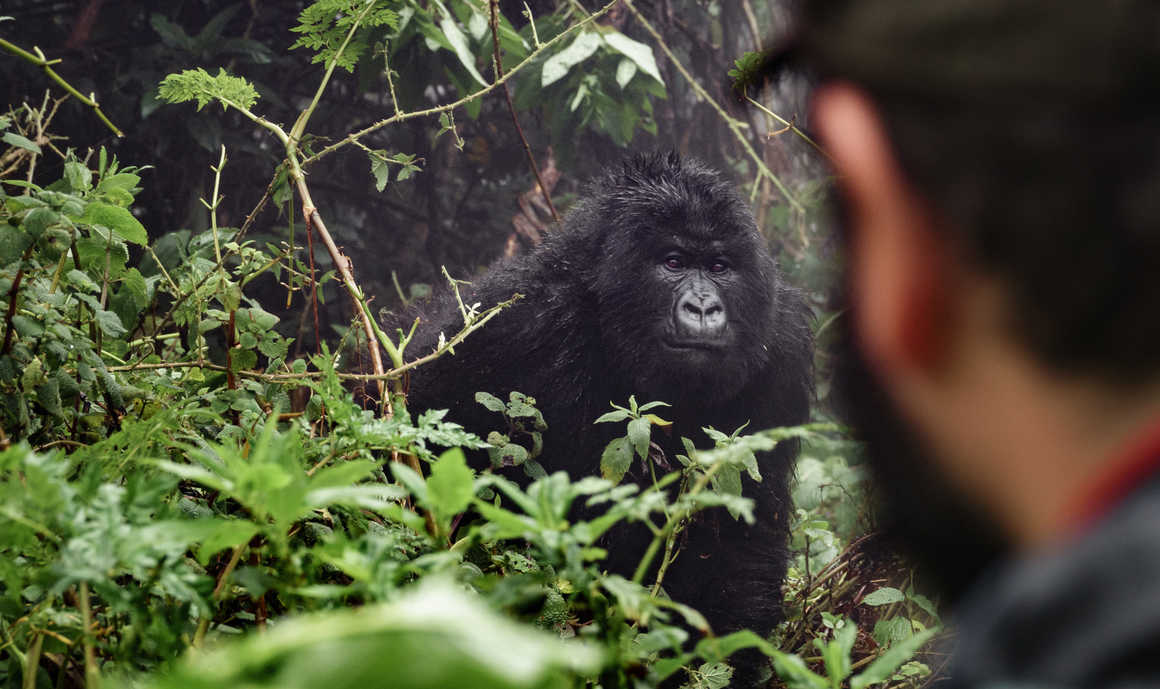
{"type": "Point", "coordinates": [694, 345]}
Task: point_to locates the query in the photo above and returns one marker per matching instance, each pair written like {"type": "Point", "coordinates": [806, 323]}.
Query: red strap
{"type": "Point", "coordinates": [1123, 475]}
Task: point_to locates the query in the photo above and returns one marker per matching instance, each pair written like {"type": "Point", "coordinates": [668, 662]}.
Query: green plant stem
{"type": "Point", "coordinates": [734, 125]}
{"type": "Point", "coordinates": [32, 661]}
{"type": "Point", "coordinates": [213, 206]}
{"type": "Point", "coordinates": [304, 116]}
{"type": "Point", "coordinates": [203, 623]}
{"type": "Point", "coordinates": [92, 673]}
{"type": "Point", "coordinates": [46, 65]}
{"type": "Point", "coordinates": [671, 523]}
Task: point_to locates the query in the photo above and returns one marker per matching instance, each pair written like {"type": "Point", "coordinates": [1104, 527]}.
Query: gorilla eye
{"type": "Point", "coordinates": [674, 263]}
{"type": "Point", "coordinates": [718, 267]}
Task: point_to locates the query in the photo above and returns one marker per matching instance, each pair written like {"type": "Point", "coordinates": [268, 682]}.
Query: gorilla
{"type": "Point", "coordinates": [658, 284]}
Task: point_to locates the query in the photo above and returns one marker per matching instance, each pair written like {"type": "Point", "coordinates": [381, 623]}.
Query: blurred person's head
{"type": "Point", "coordinates": [998, 165]}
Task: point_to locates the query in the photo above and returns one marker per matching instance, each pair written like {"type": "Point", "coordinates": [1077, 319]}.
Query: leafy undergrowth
{"type": "Point", "coordinates": [185, 503]}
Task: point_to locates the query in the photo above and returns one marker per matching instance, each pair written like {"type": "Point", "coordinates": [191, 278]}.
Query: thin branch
{"type": "Point", "coordinates": [401, 116]}
{"type": "Point", "coordinates": [789, 125]}
{"type": "Point", "coordinates": [734, 125]}
{"type": "Point", "coordinates": [44, 63]}
{"type": "Point", "coordinates": [512, 109]}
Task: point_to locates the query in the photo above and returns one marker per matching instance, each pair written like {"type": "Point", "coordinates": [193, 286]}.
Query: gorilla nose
{"type": "Point", "coordinates": [701, 316]}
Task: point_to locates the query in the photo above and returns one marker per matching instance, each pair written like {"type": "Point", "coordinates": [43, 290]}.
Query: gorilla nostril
{"type": "Point", "coordinates": [714, 309]}
{"type": "Point", "coordinates": [692, 309]}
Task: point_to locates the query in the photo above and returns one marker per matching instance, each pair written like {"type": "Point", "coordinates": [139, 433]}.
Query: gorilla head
{"type": "Point", "coordinates": [682, 282]}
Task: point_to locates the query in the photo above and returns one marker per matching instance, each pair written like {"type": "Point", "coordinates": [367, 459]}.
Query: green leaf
{"type": "Point", "coordinates": [891, 631]}
{"type": "Point", "coordinates": [110, 323]}
{"type": "Point", "coordinates": [14, 139]}
{"type": "Point", "coordinates": [638, 435]}
{"type": "Point", "coordinates": [613, 416]}
{"type": "Point", "coordinates": [198, 85]}
{"type": "Point", "coordinates": [226, 534]}
{"type": "Point", "coordinates": [78, 176]}
{"type": "Point", "coordinates": [82, 280]}
{"type": "Point", "coordinates": [616, 459]}
{"type": "Point", "coordinates": [451, 484]}
{"type": "Point", "coordinates": [796, 674]}
{"type": "Point", "coordinates": [638, 52]}
{"type": "Point", "coordinates": [345, 474]}
{"type": "Point", "coordinates": [119, 220]}
{"type": "Point", "coordinates": [884, 666]}
{"type": "Point", "coordinates": [557, 66]}
{"type": "Point", "coordinates": [836, 654]}
{"type": "Point", "coordinates": [884, 596]}
{"type": "Point", "coordinates": [381, 171]}
{"type": "Point", "coordinates": [625, 71]}
{"type": "Point", "coordinates": [490, 401]}
{"type": "Point", "coordinates": [431, 635]}
{"type": "Point", "coordinates": [459, 46]}
{"type": "Point", "coordinates": [38, 220]}
{"type": "Point", "coordinates": [715, 675]}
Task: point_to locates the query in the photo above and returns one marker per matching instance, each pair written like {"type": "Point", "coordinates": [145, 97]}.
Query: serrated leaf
{"type": "Point", "coordinates": [884, 596]}
{"type": "Point", "coordinates": [110, 323]}
{"type": "Point", "coordinates": [226, 534]}
{"type": "Point", "coordinates": [78, 176]}
{"type": "Point", "coordinates": [82, 280]}
{"type": "Point", "coordinates": [638, 435]}
{"type": "Point", "coordinates": [636, 51]}
{"type": "Point", "coordinates": [557, 66]}
{"type": "Point", "coordinates": [489, 401]}
{"type": "Point", "coordinates": [616, 459]}
{"type": "Point", "coordinates": [119, 220]}
{"type": "Point", "coordinates": [451, 484]}
{"type": "Point", "coordinates": [38, 220]}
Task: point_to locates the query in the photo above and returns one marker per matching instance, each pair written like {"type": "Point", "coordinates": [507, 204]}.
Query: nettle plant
{"type": "Point", "coordinates": [175, 474]}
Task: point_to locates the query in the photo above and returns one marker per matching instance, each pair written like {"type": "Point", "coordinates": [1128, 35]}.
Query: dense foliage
{"type": "Point", "coordinates": [178, 469]}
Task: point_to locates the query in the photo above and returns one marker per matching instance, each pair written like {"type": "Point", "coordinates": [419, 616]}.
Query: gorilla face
{"type": "Point", "coordinates": [684, 284]}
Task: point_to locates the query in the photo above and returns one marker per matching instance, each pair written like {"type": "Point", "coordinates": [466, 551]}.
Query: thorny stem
{"type": "Point", "coordinates": [512, 109]}
{"type": "Point", "coordinates": [44, 63]}
{"type": "Point", "coordinates": [734, 125]}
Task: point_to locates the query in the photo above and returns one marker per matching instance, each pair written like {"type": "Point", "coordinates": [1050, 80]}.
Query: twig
{"type": "Point", "coordinates": [44, 63]}
{"type": "Point", "coordinates": [751, 21]}
{"type": "Point", "coordinates": [734, 125]}
{"type": "Point", "coordinates": [789, 125]}
{"type": "Point", "coordinates": [512, 109]}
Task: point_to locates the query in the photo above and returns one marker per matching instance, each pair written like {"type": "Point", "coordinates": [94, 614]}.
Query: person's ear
{"type": "Point", "coordinates": [896, 266]}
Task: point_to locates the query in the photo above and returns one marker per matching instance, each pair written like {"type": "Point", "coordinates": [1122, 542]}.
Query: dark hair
{"type": "Point", "coordinates": [1033, 126]}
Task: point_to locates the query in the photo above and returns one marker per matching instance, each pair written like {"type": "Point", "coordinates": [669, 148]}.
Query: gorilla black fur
{"type": "Point", "coordinates": [606, 314]}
